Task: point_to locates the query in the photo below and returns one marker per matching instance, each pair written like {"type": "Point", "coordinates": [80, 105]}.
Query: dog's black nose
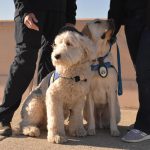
{"type": "Point", "coordinates": [57, 56]}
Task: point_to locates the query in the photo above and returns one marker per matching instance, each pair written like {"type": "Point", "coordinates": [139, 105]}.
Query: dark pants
{"type": "Point", "coordinates": [138, 39]}
{"type": "Point", "coordinates": [28, 42]}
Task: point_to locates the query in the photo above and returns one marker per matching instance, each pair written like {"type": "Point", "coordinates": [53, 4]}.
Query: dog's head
{"type": "Point", "coordinates": [71, 48]}
{"type": "Point", "coordinates": [99, 29]}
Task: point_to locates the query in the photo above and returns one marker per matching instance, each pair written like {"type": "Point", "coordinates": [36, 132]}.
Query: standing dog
{"type": "Point", "coordinates": [65, 97]}
{"type": "Point", "coordinates": [102, 108]}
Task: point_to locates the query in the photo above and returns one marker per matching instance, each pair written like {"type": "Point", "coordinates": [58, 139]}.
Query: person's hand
{"type": "Point", "coordinates": [70, 24]}
{"type": "Point", "coordinates": [30, 21]}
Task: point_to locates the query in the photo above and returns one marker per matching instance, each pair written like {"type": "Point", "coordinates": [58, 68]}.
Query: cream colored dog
{"type": "Point", "coordinates": [104, 84]}
{"type": "Point", "coordinates": [65, 97]}
{"type": "Point", "coordinates": [72, 56]}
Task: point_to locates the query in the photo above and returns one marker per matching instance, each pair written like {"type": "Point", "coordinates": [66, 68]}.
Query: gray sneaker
{"type": "Point", "coordinates": [135, 135]}
{"type": "Point", "coordinates": [5, 130]}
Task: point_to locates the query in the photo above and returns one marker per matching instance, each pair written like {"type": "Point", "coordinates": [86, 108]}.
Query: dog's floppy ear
{"type": "Point", "coordinates": [86, 31]}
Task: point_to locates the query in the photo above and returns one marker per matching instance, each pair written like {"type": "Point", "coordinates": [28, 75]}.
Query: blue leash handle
{"type": "Point", "coordinates": [120, 91]}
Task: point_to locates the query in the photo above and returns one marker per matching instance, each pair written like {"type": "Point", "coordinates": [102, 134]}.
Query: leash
{"type": "Point", "coordinates": [120, 91]}
{"type": "Point", "coordinates": [102, 67]}
{"type": "Point", "coordinates": [112, 41]}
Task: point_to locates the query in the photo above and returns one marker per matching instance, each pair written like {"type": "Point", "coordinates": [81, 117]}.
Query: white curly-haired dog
{"type": "Point", "coordinates": [105, 111]}
{"type": "Point", "coordinates": [65, 97]}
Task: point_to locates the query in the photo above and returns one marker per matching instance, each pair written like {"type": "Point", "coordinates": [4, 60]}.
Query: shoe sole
{"type": "Point", "coordinates": [136, 141]}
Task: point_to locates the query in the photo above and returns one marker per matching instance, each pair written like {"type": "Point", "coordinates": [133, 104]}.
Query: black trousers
{"type": "Point", "coordinates": [28, 42]}
{"type": "Point", "coordinates": [138, 39]}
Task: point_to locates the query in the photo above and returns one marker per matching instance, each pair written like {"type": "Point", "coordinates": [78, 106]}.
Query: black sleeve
{"type": "Point", "coordinates": [22, 6]}
{"type": "Point", "coordinates": [71, 11]}
{"type": "Point", "coordinates": [116, 12]}
{"type": "Point", "coordinates": [148, 14]}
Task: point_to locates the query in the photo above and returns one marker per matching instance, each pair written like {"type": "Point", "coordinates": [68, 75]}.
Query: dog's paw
{"type": "Point", "coordinates": [58, 139]}
{"type": "Point", "coordinates": [115, 133]}
{"type": "Point", "coordinates": [31, 131]}
{"type": "Point", "coordinates": [91, 132]}
{"type": "Point", "coordinates": [80, 132]}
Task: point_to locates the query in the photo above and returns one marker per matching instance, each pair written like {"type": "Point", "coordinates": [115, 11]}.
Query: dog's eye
{"type": "Point", "coordinates": [68, 43]}
{"type": "Point", "coordinates": [97, 21]}
{"type": "Point", "coordinates": [54, 44]}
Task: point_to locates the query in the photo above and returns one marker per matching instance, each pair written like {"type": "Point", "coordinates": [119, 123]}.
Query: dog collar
{"type": "Point", "coordinates": [56, 76]}
{"type": "Point", "coordinates": [102, 67]}
{"type": "Point", "coordinates": [75, 79]}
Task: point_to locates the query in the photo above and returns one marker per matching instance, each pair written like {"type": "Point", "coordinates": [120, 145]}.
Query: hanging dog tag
{"type": "Point", "coordinates": [103, 72]}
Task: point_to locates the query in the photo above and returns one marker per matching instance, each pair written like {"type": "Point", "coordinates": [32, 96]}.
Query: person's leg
{"type": "Point", "coordinates": [45, 65]}
{"type": "Point", "coordinates": [141, 130]}
{"type": "Point", "coordinates": [143, 79]}
{"type": "Point", "coordinates": [134, 34]}
{"type": "Point", "coordinates": [53, 23]}
{"type": "Point", "coordinates": [21, 71]}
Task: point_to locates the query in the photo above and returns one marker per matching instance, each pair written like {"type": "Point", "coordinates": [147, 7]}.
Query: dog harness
{"type": "Point", "coordinates": [102, 68]}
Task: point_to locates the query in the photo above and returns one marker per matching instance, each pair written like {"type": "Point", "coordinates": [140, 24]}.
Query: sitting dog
{"type": "Point", "coordinates": [65, 96]}
{"type": "Point", "coordinates": [102, 108]}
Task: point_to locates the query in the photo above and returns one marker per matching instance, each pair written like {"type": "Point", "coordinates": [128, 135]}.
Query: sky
{"type": "Point", "coordinates": [86, 9]}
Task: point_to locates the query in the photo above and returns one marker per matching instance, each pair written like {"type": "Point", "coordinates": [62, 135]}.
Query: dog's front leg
{"type": "Point", "coordinates": [55, 122]}
{"type": "Point", "coordinates": [89, 115]}
{"type": "Point", "coordinates": [76, 127]}
{"type": "Point", "coordinates": [113, 117]}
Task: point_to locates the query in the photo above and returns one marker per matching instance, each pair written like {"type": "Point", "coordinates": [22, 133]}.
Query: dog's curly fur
{"type": "Point", "coordinates": [102, 101]}
{"type": "Point", "coordinates": [71, 56]}
{"type": "Point", "coordinates": [33, 112]}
